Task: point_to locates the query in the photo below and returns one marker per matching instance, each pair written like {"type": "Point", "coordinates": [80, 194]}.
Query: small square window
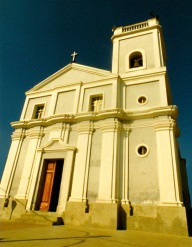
{"type": "Point", "coordinates": [96, 103]}
{"type": "Point", "coordinates": [38, 112]}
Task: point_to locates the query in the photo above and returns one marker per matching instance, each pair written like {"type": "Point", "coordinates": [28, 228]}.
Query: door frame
{"type": "Point", "coordinates": [48, 151]}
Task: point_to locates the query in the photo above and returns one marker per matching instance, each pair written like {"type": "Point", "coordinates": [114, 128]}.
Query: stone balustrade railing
{"type": "Point", "coordinates": [135, 27]}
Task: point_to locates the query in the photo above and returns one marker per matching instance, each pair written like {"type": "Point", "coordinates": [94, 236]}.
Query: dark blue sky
{"type": "Point", "coordinates": [38, 36]}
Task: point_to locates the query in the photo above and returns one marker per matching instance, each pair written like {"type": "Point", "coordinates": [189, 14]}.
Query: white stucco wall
{"type": "Point", "coordinates": [35, 101]}
{"type": "Point", "coordinates": [71, 77]}
{"type": "Point", "coordinates": [143, 171]}
{"type": "Point", "coordinates": [142, 42]}
{"type": "Point", "coordinates": [105, 90]}
{"type": "Point", "coordinates": [65, 102]}
{"type": "Point", "coordinates": [19, 168]}
{"type": "Point", "coordinates": [150, 90]}
{"type": "Point", "coordinates": [94, 168]}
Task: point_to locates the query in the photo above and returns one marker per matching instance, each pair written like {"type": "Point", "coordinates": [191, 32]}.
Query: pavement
{"type": "Point", "coordinates": [22, 234]}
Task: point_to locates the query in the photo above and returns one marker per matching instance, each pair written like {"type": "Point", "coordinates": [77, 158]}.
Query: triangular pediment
{"type": "Point", "coordinates": [71, 74]}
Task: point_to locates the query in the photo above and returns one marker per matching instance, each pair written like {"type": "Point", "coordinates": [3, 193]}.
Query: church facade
{"type": "Point", "coordinates": [100, 147]}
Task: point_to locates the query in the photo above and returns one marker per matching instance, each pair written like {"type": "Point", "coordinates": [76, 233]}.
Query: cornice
{"type": "Point", "coordinates": [72, 66]}
{"type": "Point", "coordinates": [145, 73]}
{"type": "Point", "coordinates": [118, 113]}
{"type": "Point", "coordinates": [142, 32]}
{"type": "Point", "coordinates": [49, 147]}
{"type": "Point", "coordinates": [72, 86]}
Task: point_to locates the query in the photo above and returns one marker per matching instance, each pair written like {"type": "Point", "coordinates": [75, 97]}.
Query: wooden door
{"type": "Point", "coordinates": [48, 185]}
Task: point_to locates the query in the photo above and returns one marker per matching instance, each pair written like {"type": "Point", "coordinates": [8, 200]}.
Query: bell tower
{"type": "Point", "coordinates": [138, 47]}
{"type": "Point", "coordinates": [139, 59]}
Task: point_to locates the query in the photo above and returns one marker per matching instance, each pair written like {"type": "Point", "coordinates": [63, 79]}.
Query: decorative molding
{"type": "Point", "coordinates": [112, 125]}
{"type": "Point", "coordinates": [18, 134]}
{"type": "Point", "coordinates": [118, 113]}
{"type": "Point", "coordinates": [175, 203]}
{"type": "Point", "coordinates": [137, 27]}
{"type": "Point", "coordinates": [49, 147]}
{"type": "Point", "coordinates": [72, 66]}
{"type": "Point", "coordinates": [142, 155]}
{"type": "Point", "coordinates": [85, 128]}
{"type": "Point", "coordinates": [167, 124]}
{"type": "Point", "coordinates": [35, 133]}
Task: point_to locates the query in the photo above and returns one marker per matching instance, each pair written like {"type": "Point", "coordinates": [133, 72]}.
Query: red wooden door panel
{"type": "Point", "coordinates": [48, 185]}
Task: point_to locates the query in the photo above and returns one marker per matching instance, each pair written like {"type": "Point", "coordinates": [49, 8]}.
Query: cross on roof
{"type": "Point", "coordinates": [74, 55]}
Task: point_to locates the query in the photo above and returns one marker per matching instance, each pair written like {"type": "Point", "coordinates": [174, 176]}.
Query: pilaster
{"type": "Point", "coordinates": [34, 142]}
{"type": "Point", "coordinates": [109, 170]}
{"type": "Point", "coordinates": [125, 173]}
{"type": "Point", "coordinates": [11, 164]}
{"type": "Point", "coordinates": [81, 169]}
{"type": "Point", "coordinates": [167, 163]}
{"type": "Point", "coordinates": [66, 181]}
{"type": "Point", "coordinates": [53, 103]}
{"type": "Point", "coordinates": [115, 59]}
{"type": "Point", "coordinates": [65, 132]}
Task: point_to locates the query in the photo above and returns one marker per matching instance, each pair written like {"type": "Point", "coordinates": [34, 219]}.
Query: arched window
{"type": "Point", "coordinates": [135, 60]}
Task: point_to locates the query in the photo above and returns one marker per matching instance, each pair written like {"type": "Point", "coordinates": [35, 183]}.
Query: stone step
{"type": "Point", "coordinates": [43, 218]}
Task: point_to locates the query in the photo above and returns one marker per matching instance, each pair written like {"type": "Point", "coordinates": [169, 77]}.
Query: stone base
{"type": "Point", "coordinates": [161, 219]}
{"type": "Point", "coordinates": [157, 219]}
{"type": "Point", "coordinates": [12, 208]}
{"type": "Point", "coordinates": [102, 215]}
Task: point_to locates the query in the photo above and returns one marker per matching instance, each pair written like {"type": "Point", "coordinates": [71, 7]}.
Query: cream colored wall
{"type": "Point", "coordinates": [94, 167]}
{"type": "Point", "coordinates": [73, 137]}
{"type": "Point", "coordinates": [19, 168]}
{"type": "Point", "coordinates": [65, 102]}
{"type": "Point", "coordinates": [150, 90]}
{"type": "Point", "coordinates": [143, 171]}
{"type": "Point", "coordinates": [45, 139]}
{"type": "Point", "coordinates": [106, 91]}
{"type": "Point", "coordinates": [35, 101]}
{"type": "Point", "coordinates": [144, 42]}
{"type": "Point", "coordinates": [71, 77]}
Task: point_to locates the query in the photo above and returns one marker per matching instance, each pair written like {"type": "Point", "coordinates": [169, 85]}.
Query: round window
{"type": "Point", "coordinates": [142, 150]}
{"type": "Point", "coordinates": [142, 100]}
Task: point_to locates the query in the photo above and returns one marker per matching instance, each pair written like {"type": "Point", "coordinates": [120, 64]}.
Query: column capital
{"type": "Point", "coordinates": [19, 134]}
{"type": "Point", "coordinates": [166, 124]}
{"type": "Point", "coordinates": [35, 134]}
{"type": "Point", "coordinates": [110, 125]}
{"type": "Point", "coordinates": [85, 128]}
{"type": "Point", "coordinates": [127, 129]}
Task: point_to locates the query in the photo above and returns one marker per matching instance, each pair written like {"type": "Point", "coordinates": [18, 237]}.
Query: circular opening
{"type": "Point", "coordinates": [142, 150]}
{"type": "Point", "coordinates": [142, 100]}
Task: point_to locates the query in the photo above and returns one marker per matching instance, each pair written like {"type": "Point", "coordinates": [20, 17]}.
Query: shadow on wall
{"type": "Point", "coordinates": [13, 206]}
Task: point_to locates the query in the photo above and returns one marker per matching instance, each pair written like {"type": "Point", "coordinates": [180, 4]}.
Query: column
{"type": "Point", "coordinates": [125, 189]}
{"type": "Point", "coordinates": [33, 180]}
{"type": "Point", "coordinates": [66, 180]}
{"type": "Point", "coordinates": [81, 169]}
{"type": "Point", "coordinates": [65, 133]}
{"type": "Point", "coordinates": [157, 49]}
{"type": "Point", "coordinates": [35, 139]}
{"type": "Point", "coordinates": [115, 58]}
{"type": "Point", "coordinates": [11, 164]}
{"type": "Point", "coordinates": [167, 164]}
{"type": "Point", "coordinates": [53, 103]}
{"type": "Point", "coordinates": [108, 181]}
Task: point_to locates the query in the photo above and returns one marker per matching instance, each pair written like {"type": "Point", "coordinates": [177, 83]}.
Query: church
{"type": "Point", "coordinates": [99, 148]}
